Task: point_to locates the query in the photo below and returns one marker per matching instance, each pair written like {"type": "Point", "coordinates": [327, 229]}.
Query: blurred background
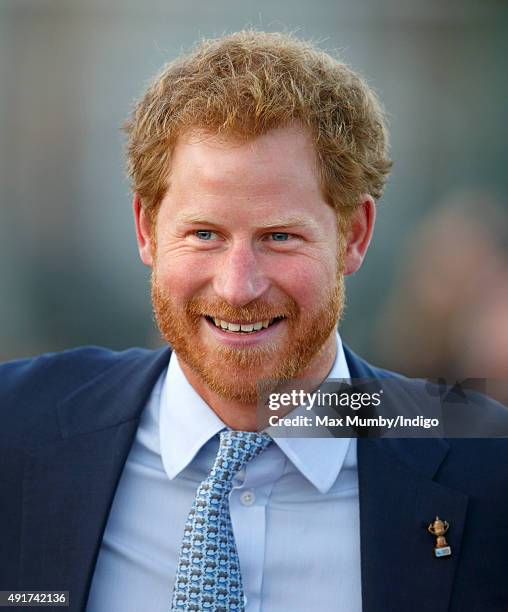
{"type": "Point", "coordinates": [432, 297]}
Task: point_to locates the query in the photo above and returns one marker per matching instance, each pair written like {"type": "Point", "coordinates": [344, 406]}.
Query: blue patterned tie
{"type": "Point", "coordinates": [208, 575]}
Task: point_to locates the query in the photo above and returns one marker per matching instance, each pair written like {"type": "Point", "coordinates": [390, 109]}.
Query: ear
{"type": "Point", "coordinates": [359, 234]}
{"type": "Point", "coordinates": [143, 231]}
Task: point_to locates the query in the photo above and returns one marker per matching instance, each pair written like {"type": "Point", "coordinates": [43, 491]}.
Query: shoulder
{"type": "Point", "coordinates": [467, 411]}
{"type": "Point", "coordinates": [30, 389]}
{"type": "Point", "coordinates": [474, 425]}
{"type": "Point", "coordinates": [59, 371]}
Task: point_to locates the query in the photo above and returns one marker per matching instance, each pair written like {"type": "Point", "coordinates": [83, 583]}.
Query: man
{"type": "Point", "coordinates": [137, 480]}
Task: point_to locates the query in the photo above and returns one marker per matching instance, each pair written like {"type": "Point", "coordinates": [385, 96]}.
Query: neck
{"type": "Point", "coordinates": [243, 417]}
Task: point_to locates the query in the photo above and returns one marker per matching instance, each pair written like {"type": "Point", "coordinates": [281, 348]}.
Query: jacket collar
{"type": "Point", "coordinates": [122, 392]}
{"type": "Point", "coordinates": [69, 485]}
{"type": "Point", "coordinates": [398, 500]}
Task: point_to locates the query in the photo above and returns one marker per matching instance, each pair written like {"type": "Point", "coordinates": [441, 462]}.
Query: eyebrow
{"type": "Point", "coordinates": [296, 221]}
{"type": "Point", "coordinates": [290, 222]}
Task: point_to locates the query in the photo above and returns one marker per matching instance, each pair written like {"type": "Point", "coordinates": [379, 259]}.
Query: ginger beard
{"type": "Point", "coordinates": [236, 373]}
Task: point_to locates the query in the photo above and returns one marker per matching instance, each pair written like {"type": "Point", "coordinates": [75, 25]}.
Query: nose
{"type": "Point", "coordinates": [239, 278]}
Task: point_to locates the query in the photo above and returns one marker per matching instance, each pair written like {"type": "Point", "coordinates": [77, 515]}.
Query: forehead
{"type": "Point", "coordinates": [283, 159]}
{"type": "Point", "coordinates": [267, 181]}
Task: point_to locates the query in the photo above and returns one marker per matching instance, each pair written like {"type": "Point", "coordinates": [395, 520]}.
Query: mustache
{"type": "Point", "coordinates": [257, 310]}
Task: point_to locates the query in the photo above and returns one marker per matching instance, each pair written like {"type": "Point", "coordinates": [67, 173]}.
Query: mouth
{"type": "Point", "coordinates": [241, 328]}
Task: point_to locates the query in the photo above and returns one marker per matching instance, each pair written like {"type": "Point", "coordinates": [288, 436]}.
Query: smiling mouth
{"type": "Point", "coordinates": [243, 328]}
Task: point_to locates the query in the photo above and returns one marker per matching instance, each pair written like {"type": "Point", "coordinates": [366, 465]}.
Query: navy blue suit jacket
{"type": "Point", "coordinates": [67, 422]}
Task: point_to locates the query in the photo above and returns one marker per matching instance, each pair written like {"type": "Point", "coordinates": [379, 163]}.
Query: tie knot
{"type": "Point", "coordinates": [236, 449]}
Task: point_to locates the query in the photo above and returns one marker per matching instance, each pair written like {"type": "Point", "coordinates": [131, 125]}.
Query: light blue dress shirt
{"type": "Point", "coordinates": [294, 510]}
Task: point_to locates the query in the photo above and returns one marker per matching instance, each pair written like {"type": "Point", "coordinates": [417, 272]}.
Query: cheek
{"type": "Point", "coordinates": [305, 281]}
{"type": "Point", "coordinates": [182, 277]}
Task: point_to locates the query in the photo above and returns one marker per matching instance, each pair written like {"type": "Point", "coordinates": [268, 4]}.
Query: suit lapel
{"type": "Point", "coordinates": [68, 491]}
{"type": "Point", "coordinates": [397, 503]}
{"type": "Point", "coordinates": [398, 500]}
{"type": "Point", "coordinates": [69, 485]}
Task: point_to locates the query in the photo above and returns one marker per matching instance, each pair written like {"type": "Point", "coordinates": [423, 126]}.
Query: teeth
{"type": "Point", "coordinates": [236, 327]}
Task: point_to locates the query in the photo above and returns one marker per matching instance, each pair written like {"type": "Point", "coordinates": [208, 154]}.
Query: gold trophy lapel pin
{"type": "Point", "coordinates": [438, 528]}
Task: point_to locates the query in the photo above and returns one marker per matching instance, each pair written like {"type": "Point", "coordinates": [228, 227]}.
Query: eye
{"type": "Point", "coordinates": [205, 234]}
{"type": "Point", "coordinates": [280, 236]}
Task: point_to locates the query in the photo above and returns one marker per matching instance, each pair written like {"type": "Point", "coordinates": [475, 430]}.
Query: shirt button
{"type": "Point", "coordinates": [247, 498]}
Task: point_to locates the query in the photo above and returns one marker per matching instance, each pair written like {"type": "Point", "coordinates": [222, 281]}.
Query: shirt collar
{"type": "Point", "coordinates": [187, 423]}
{"type": "Point", "coordinates": [321, 459]}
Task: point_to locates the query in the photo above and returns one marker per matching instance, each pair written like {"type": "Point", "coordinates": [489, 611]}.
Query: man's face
{"type": "Point", "coordinates": [245, 241]}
